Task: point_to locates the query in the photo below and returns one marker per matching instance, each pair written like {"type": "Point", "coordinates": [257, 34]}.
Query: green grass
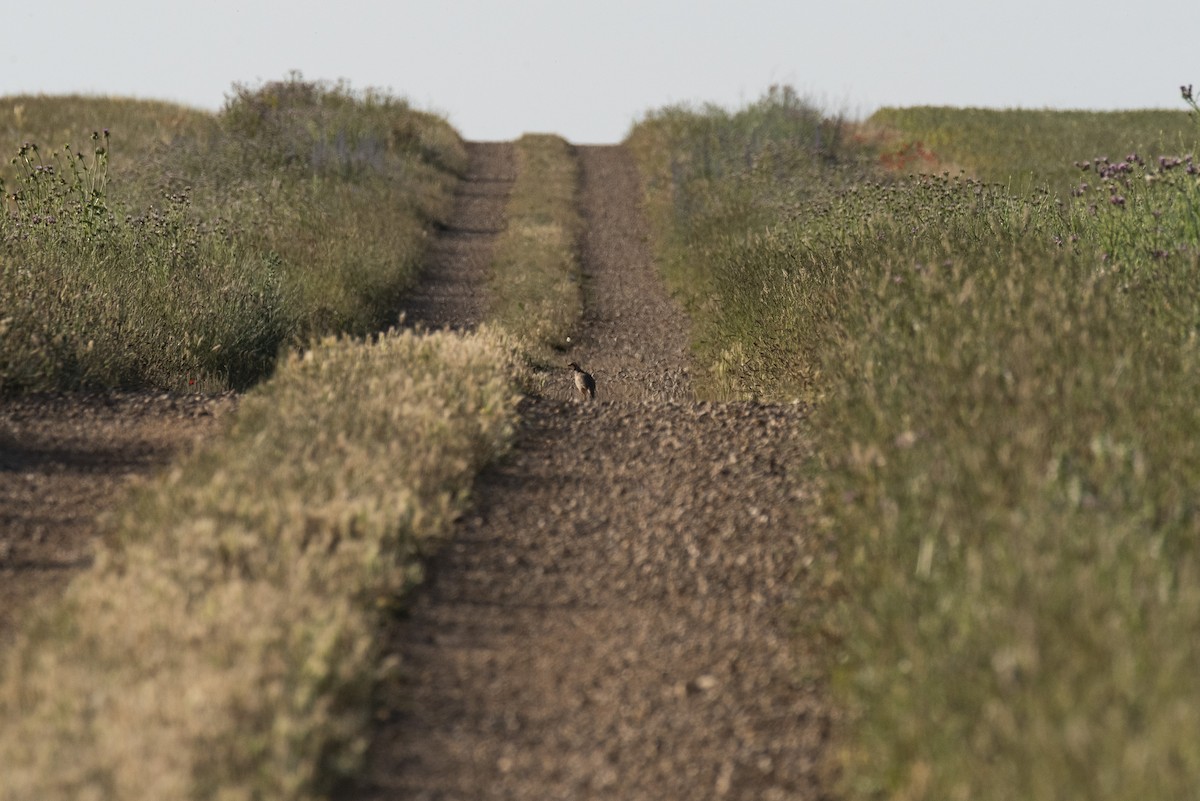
{"type": "Point", "coordinates": [140, 126]}
{"type": "Point", "coordinates": [182, 250]}
{"type": "Point", "coordinates": [714, 178]}
{"type": "Point", "coordinates": [1024, 149]}
{"type": "Point", "coordinates": [535, 284]}
{"type": "Point", "coordinates": [1003, 393]}
{"type": "Point", "coordinates": [225, 644]}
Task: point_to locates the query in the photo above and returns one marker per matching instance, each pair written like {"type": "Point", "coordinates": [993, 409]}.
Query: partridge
{"type": "Point", "coordinates": [585, 385]}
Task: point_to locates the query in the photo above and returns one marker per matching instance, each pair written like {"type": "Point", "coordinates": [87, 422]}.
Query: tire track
{"type": "Point", "coordinates": [452, 292]}
{"type": "Point", "coordinates": [612, 619]}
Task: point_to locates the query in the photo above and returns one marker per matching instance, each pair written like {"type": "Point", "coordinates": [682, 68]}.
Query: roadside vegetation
{"type": "Point", "coordinates": [1003, 384]}
{"type": "Point", "coordinates": [536, 290]}
{"type": "Point", "coordinates": [1023, 150]}
{"type": "Point", "coordinates": [717, 182]}
{"type": "Point", "coordinates": [224, 643]}
{"type": "Point", "coordinates": [148, 245]}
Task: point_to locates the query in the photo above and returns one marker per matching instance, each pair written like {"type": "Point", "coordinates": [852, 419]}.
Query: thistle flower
{"type": "Point", "coordinates": [1186, 91]}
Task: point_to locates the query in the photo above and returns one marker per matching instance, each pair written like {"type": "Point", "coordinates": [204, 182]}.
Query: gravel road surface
{"type": "Point", "coordinates": [613, 618]}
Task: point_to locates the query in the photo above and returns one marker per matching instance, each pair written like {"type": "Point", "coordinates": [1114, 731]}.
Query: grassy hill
{"type": "Point", "coordinates": [1003, 385]}
{"type": "Point", "coordinates": [150, 245]}
{"type": "Point", "coordinates": [1023, 149]}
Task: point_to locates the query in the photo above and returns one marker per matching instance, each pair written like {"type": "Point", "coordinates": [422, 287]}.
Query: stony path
{"type": "Point", "coordinates": [634, 339]}
{"type": "Point", "coordinates": [612, 618]}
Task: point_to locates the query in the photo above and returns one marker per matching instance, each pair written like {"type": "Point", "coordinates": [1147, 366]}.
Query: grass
{"type": "Point", "coordinates": [1023, 149]}
{"type": "Point", "coordinates": [141, 126]}
{"type": "Point", "coordinates": [1003, 385]}
{"type": "Point", "coordinates": [535, 284]}
{"type": "Point", "coordinates": [716, 180]}
{"type": "Point", "coordinates": [224, 644]}
{"type": "Point", "coordinates": [181, 250]}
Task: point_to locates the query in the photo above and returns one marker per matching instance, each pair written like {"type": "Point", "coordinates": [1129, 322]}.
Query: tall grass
{"type": "Point", "coordinates": [224, 643]}
{"type": "Point", "coordinates": [1006, 430]}
{"type": "Point", "coordinates": [712, 178]}
{"type": "Point", "coordinates": [301, 209]}
{"type": "Point", "coordinates": [535, 286]}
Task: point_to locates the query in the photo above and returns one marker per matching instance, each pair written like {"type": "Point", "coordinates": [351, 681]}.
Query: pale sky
{"type": "Point", "coordinates": [589, 70]}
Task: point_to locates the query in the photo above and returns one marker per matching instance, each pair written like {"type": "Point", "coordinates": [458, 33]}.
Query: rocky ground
{"type": "Point", "coordinates": [614, 617]}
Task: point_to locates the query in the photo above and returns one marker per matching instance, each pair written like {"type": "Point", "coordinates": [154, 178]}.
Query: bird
{"type": "Point", "coordinates": [584, 383]}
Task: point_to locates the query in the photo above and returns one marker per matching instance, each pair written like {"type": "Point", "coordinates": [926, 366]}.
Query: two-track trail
{"type": "Point", "coordinates": [613, 618]}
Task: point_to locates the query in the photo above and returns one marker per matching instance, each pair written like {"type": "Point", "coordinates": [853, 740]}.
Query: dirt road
{"type": "Point", "coordinates": [612, 618]}
{"type": "Point", "coordinates": [452, 291]}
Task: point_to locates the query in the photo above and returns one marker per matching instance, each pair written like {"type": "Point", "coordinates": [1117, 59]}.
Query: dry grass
{"type": "Point", "coordinates": [223, 644]}
{"type": "Point", "coordinates": [535, 285]}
